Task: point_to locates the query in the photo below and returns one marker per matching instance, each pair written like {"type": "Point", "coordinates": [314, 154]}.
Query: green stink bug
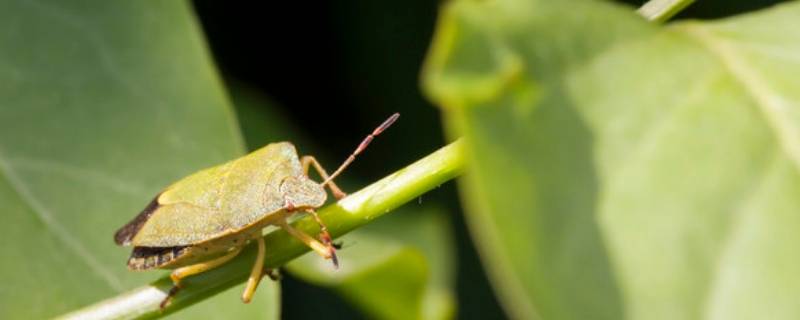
{"type": "Point", "coordinates": [204, 220]}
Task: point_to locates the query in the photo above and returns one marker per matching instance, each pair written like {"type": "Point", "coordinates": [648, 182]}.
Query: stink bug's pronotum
{"type": "Point", "coordinates": [204, 220]}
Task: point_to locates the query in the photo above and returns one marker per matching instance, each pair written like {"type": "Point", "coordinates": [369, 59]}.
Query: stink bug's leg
{"type": "Point", "coordinates": [312, 243]}
{"type": "Point", "coordinates": [310, 160]}
{"type": "Point", "coordinates": [201, 267]}
{"type": "Point", "coordinates": [363, 145]}
{"type": "Point", "coordinates": [325, 236]}
{"type": "Point", "coordinates": [274, 274]}
{"type": "Point", "coordinates": [172, 291]}
{"type": "Point", "coordinates": [255, 274]}
{"type": "Point", "coordinates": [186, 271]}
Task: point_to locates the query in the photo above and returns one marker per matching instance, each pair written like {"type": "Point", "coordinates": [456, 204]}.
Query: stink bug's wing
{"type": "Point", "coordinates": [177, 224]}
{"type": "Point", "coordinates": [154, 225]}
{"type": "Point", "coordinates": [220, 200]}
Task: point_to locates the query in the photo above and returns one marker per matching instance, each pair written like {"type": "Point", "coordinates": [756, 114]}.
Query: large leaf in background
{"type": "Point", "coordinates": [621, 169]}
{"type": "Point", "coordinates": [399, 267]}
{"type": "Point", "coordinates": [101, 105]}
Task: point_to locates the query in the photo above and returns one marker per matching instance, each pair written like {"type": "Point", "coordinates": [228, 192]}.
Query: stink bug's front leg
{"type": "Point", "coordinates": [186, 271]}
{"type": "Point", "coordinates": [321, 249]}
{"type": "Point", "coordinates": [310, 160]}
{"type": "Point", "coordinates": [325, 236]}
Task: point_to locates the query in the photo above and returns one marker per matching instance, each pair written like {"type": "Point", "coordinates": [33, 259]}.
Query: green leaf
{"type": "Point", "coordinates": [618, 169]}
{"type": "Point", "coordinates": [101, 106]}
{"type": "Point", "coordinates": [400, 267]}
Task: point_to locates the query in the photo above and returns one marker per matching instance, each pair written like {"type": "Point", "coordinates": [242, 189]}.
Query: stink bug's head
{"type": "Point", "coordinates": [302, 192]}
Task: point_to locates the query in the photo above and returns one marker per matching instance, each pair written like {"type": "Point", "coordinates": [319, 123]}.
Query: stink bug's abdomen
{"type": "Point", "coordinates": [146, 258]}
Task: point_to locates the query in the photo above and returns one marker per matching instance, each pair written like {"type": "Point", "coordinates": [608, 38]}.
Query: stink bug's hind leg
{"type": "Point", "coordinates": [308, 161]}
{"type": "Point", "coordinates": [178, 274]}
{"type": "Point", "coordinates": [321, 249]}
{"type": "Point", "coordinates": [256, 273]}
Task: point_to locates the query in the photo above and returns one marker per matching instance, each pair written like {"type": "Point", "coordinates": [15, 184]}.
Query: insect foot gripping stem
{"type": "Point", "coordinates": [273, 274]}
{"type": "Point", "coordinates": [325, 236]}
{"type": "Point", "coordinates": [164, 303]}
{"type": "Point", "coordinates": [319, 248]}
{"type": "Point", "coordinates": [363, 145]}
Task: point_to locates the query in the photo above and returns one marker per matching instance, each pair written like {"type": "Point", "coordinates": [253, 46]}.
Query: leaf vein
{"type": "Point", "coordinates": [49, 221]}
{"type": "Point", "coordinates": [770, 103]}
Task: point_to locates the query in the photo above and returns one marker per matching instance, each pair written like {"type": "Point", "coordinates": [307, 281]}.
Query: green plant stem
{"type": "Point", "coordinates": [662, 10]}
{"type": "Point", "coordinates": [349, 213]}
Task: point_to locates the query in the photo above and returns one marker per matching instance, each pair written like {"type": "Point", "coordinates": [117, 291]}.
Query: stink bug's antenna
{"type": "Point", "coordinates": [362, 146]}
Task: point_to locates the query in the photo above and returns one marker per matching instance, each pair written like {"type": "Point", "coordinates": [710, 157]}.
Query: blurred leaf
{"type": "Point", "coordinates": [101, 105]}
{"type": "Point", "coordinates": [399, 267]}
{"type": "Point", "coordinates": [621, 169]}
